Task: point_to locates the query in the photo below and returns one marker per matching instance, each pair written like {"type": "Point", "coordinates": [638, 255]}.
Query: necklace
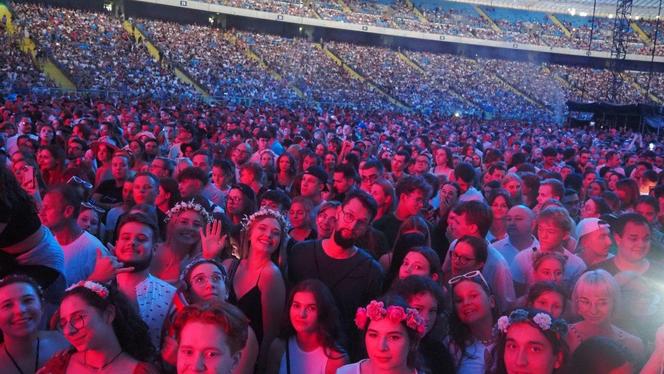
{"type": "Point", "coordinates": [104, 366]}
{"type": "Point", "coordinates": [16, 364]}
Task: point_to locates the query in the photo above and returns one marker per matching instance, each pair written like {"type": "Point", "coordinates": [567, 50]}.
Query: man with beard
{"type": "Point", "coordinates": [151, 296]}
{"type": "Point", "coordinates": [351, 274]}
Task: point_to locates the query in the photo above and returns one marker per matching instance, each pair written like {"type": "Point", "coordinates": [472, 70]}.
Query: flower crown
{"type": "Point", "coordinates": [376, 311]}
{"type": "Point", "coordinates": [95, 287]}
{"type": "Point", "coordinates": [542, 320]}
{"type": "Point", "coordinates": [264, 212]}
{"type": "Point", "coordinates": [190, 205]}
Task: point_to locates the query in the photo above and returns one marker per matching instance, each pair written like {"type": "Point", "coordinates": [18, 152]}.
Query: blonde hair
{"type": "Point", "coordinates": [596, 279]}
{"type": "Point", "coordinates": [248, 225]}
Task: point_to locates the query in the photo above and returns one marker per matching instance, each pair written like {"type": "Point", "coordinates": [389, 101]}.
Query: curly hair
{"type": "Point", "coordinates": [129, 328]}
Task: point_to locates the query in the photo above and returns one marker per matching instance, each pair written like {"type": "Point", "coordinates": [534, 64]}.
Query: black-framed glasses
{"type": "Point", "coordinates": [463, 260]}
{"type": "Point", "coordinates": [77, 321]}
{"type": "Point", "coordinates": [350, 218]}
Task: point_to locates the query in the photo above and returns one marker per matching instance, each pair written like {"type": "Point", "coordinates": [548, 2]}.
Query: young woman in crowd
{"type": "Point", "coordinates": [392, 331]}
{"type": "Point", "coordinates": [256, 283]}
{"type": "Point", "coordinates": [103, 151]}
{"type": "Point", "coordinates": [470, 253]}
{"type": "Point", "coordinates": [210, 338]}
{"type": "Point", "coordinates": [24, 347]}
{"type": "Point", "coordinates": [426, 296]}
{"type": "Point", "coordinates": [530, 341]}
{"type": "Point", "coordinates": [413, 232]}
{"type": "Point", "coordinates": [183, 240]}
{"type": "Point", "coordinates": [473, 315]}
{"type": "Point", "coordinates": [500, 203]}
{"type": "Point", "coordinates": [421, 261]}
{"type": "Point", "coordinates": [302, 225]}
{"type": "Point", "coordinates": [105, 332]}
{"type": "Point", "coordinates": [46, 135]}
{"type": "Point", "coordinates": [285, 172]}
{"type": "Point", "coordinates": [203, 282]}
{"type": "Point", "coordinates": [547, 296]}
{"type": "Point", "coordinates": [595, 207]}
{"type": "Point", "coordinates": [595, 298]}
{"type": "Point", "coordinates": [51, 160]}
{"type": "Point", "coordinates": [444, 159]}
{"type": "Point", "coordinates": [548, 267]}
{"type": "Point", "coordinates": [326, 219]}
{"type": "Point", "coordinates": [311, 337]}
{"type": "Point", "coordinates": [89, 219]}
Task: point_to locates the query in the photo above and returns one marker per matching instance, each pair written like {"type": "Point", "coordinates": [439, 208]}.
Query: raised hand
{"type": "Point", "coordinates": [107, 267]}
{"type": "Point", "coordinates": [212, 240]}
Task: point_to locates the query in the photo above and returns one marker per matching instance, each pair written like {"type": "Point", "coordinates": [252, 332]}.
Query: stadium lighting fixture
{"type": "Point", "coordinates": [457, 114]}
{"type": "Point", "coordinates": [583, 14]}
{"type": "Point", "coordinates": [572, 11]}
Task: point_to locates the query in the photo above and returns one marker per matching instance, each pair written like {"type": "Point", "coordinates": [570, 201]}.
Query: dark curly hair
{"type": "Point", "coordinates": [129, 328]}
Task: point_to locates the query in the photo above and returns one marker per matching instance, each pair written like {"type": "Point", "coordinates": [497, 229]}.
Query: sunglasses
{"type": "Point", "coordinates": [474, 276]}
{"type": "Point", "coordinates": [76, 181]}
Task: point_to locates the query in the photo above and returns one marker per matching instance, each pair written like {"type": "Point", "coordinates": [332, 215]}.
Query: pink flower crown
{"type": "Point", "coordinates": [95, 287]}
{"type": "Point", "coordinates": [376, 311]}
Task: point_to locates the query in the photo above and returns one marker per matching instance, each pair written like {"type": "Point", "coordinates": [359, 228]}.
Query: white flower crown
{"type": "Point", "coordinates": [190, 205]}
{"type": "Point", "coordinates": [262, 213]}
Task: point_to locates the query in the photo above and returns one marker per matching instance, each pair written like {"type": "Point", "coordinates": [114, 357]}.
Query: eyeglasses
{"type": "Point", "coordinates": [350, 218]}
{"type": "Point", "coordinates": [463, 260]}
{"type": "Point", "coordinates": [369, 178]}
{"type": "Point", "coordinates": [200, 280]}
{"type": "Point", "coordinates": [77, 321]}
{"type": "Point", "coordinates": [473, 276]}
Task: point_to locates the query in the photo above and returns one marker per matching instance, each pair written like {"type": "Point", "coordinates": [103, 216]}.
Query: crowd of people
{"type": "Point", "coordinates": [235, 66]}
{"type": "Point", "coordinates": [150, 236]}
{"type": "Point", "coordinates": [452, 18]}
{"type": "Point", "coordinates": [96, 51]}
{"type": "Point", "coordinates": [152, 232]}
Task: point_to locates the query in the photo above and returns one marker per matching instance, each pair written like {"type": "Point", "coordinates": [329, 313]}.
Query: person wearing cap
{"type": "Point", "coordinates": [313, 182]}
{"type": "Point", "coordinates": [594, 237]}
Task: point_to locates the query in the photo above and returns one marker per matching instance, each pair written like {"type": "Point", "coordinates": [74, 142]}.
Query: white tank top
{"type": "Point", "coordinates": [302, 362]}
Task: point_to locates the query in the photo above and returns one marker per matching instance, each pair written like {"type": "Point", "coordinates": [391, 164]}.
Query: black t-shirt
{"type": "Point", "coordinates": [389, 225]}
{"type": "Point", "coordinates": [22, 221]}
{"type": "Point", "coordinates": [110, 193]}
{"type": "Point", "coordinates": [353, 281]}
{"type": "Point", "coordinates": [654, 274]}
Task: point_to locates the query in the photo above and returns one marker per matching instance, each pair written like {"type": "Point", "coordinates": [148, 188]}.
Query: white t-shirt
{"type": "Point", "coordinates": [80, 257]}
{"type": "Point", "coordinates": [313, 362]}
{"type": "Point", "coordinates": [523, 272]}
{"type": "Point", "coordinates": [509, 251]}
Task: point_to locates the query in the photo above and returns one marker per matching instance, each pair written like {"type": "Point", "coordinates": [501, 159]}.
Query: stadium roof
{"type": "Point", "coordinates": [605, 8]}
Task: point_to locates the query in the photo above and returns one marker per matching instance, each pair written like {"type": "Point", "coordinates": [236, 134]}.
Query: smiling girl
{"type": "Point", "coordinates": [392, 332]}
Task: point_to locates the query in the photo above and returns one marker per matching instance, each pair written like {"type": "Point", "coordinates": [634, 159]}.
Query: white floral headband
{"type": "Point", "coordinates": [539, 319]}
{"type": "Point", "coordinates": [264, 212]}
{"type": "Point", "coordinates": [95, 287]}
{"type": "Point", "coordinates": [190, 205]}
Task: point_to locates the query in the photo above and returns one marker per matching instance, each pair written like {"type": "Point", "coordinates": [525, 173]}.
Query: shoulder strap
{"type": "Point", "coordinates": [288, 369]}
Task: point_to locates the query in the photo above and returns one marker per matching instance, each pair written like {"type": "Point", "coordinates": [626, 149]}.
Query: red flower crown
{"type": "Point", "coordinates": [376, 311]}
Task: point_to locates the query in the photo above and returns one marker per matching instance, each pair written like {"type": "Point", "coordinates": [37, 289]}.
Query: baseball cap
{"type": "Point", "coordinates": [317, 172]}
{"type": "Point", "coordinates": [589, 225]}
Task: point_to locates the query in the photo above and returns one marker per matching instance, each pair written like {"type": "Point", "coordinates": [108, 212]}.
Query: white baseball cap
{"type": "Point", "coordinates": [589, 225]}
